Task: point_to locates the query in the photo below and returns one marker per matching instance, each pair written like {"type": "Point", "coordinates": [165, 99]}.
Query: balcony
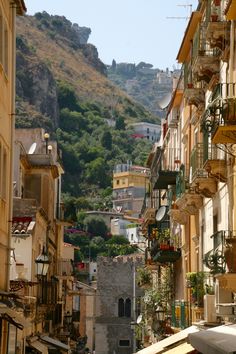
{"type": "Point", "coordinates": [218, 29]}
{"type": "Point", "coordinates": [166, 168]}
{"type": "Point", "coordinates": [179, 216]}
{"type": "Point", "coordinates": [187, 199]}
{"type": "Point", "coordinates": [193, 92]}
{"type": "Point", "coordinates": [219, 119]}
{"type": "Point", "coordinates": [205, 60]}
{"type": "Point", "coordinates": [200, 179]}
{"type": "Point", "coordinates": [214, 161]}
{"type": "Point", "coordinates": [194, 95]}
{"type": "Point", "coordinates": [164, 247]}
{"type": "Point", "coordinates": [64, 268]}
{"type": "Point", "coordinates": [221, 259]}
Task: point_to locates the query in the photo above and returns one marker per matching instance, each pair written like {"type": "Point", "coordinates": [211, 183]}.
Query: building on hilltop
{"type": "Point", "coordinates": [129, 188]}
{"type": "Point", "coordinates": [145, 130]}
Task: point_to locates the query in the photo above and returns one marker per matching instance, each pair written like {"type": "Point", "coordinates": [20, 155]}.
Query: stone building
{"type": "Point", "coordinates": [116, 304]}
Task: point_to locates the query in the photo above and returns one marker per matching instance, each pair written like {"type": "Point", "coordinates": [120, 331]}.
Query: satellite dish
{"type": "Point", "coordinates": [161, 212]}
{"type": "Point", "coordinates": [32, 149]}
{"type": "Point", "coordinates": [165, 101]}
{"type": "Point", "coordinates": [139, 319]}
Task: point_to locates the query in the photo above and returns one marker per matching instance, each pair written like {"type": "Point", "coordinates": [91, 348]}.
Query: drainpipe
{"type": "Point", "coordinates": [12, 117]}
{"type": "Point", "coordinates": [233, 167]}
{"type": "Point", "coordinates": [231, 53]}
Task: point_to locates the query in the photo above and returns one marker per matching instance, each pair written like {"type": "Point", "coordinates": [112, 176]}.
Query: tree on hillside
{"type": "Point", "coordinates": [106, 140]}
{"type": "Point", "coordinates": [120, 123]}
{"type": "Point", "coordinates": [95, 226]}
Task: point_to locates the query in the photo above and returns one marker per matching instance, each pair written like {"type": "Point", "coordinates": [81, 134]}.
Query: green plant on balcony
{"type": "Point", "coordinates": [196, 282]}
{"type": "Point", "coordinates": [144, 277]}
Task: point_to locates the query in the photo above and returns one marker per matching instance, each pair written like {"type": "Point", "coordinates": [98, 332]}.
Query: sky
{"type": "Point", "coordinates": [127, 30]}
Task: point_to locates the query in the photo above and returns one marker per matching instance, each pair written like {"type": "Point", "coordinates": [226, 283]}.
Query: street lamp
{"type": "Point", "coordinates": [42, 263]}
{"type": "Point", "coordinates": [46, 138]}
{"type": "Point", "coordinates": [160, 313]}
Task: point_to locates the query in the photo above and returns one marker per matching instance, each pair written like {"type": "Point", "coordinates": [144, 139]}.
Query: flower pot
{"type": "Point", "coordinates": [230, 255]}
{"type": "Point", "coordinates": [214, 18]}
{"type": "Point", "coordinates": [190, 85]}
{"type": "Point", "coordinates": [217, 2]}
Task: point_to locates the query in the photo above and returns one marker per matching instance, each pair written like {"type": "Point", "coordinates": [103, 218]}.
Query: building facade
{"type": "Point", "coordinates": [116, 304]}
{"type": "Point", "coordinates": [8, 12]}
{"type": "Point", "coordinates": [193, 173]}
{"type": "Point", "coordinates": [129, 188]}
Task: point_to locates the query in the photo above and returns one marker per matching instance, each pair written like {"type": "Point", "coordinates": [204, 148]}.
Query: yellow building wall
{"type": "Point", "coordinates": [128, 179]}
{"type": "Point", "coordinates": [6, 132]}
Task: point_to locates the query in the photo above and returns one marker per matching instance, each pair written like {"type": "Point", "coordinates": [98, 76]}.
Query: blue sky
{"type": "Point", "coordinates": [127, 30]}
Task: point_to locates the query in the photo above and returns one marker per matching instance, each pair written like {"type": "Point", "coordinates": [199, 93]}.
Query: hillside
{"type": "Point", "coordinates": [63, 87]}
{"type": "Point", "coordinates": [51, 47]}
{"type": "Point", "coordinates": [143, 83]}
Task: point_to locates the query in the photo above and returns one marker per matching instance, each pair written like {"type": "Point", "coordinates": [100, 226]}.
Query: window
{"type": "Point", "coordinates": [117, 181]}
{"type": "Point", "coordinates": [127, 308]}
{"type": "Point", "coordinates": [4, 175]}
{"type": "Point", "coordinates": [1, 39]}
{"type": "Point", "coordinates": [5, 50]}
{"type": "Point", "coordinates": [121, 309]}
{"type": "Point", "coordinates": [124, 343]}
{"type": "Point", "coordinates": [132, 237]}
{"type": "Point", "coordinates": [124, 307]}
{"type": "Point", "coordinates": [3, 172]}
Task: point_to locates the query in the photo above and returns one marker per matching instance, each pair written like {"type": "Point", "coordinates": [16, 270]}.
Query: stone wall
{"type": "Point", "coordinates": [115, 280]}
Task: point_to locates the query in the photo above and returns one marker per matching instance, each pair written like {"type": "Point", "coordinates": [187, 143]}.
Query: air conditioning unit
{"type": "Point", "coordinates": [223, 296]}
{"type": "Point", "coordinates": [209, 308]}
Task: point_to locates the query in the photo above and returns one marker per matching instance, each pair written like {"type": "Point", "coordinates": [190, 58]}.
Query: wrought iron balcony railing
{"type": "Point", "coordinates": [166, 168]}
{"type": "Point", "coordinates": [219, 120]}
{"type": "Point", "coordinates": [196, 162]}
{"type": "Point", "coordinates": [222, 257]}
{"type": "Point", "coordinates": [214, 160]}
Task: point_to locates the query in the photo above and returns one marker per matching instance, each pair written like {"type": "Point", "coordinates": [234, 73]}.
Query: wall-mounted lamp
{"type": "Point", "coordinates": [42, 263]}
{"type": "Point", "coordinates": [49, 149]}
{"type": "Point", "coordinates": [46, 138]}
{"type": "Point", "coordinates": [160, 313]}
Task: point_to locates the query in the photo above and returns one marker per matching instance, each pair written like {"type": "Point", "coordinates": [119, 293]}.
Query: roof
{"type": "Point", "coordinates": [216, 340]}
{"type": "Point", "coordinates": [170, 341]}
{"type": "Point", "coordinates": [188, 36]}
{"type": "Point", "coordinates": [22, 226]}
{"type": "Point", "coordinates": [20, 7]}
{"type": "Point", "coordinates": [55, 342]}
{"type": "Point", "coordinates": [144, 124]}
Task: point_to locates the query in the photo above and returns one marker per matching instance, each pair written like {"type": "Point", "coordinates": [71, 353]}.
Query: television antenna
{"type": "Point", "coordinates": [182, 17]}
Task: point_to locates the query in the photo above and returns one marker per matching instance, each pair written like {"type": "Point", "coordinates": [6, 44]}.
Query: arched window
{"type": "Point", "coordinates": [127, 308]}
{"type": "Point", "coordinates": [121, 308]}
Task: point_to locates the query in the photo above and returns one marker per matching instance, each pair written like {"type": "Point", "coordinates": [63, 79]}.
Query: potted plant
{"type": "Point", "coordinates": [144, 277]}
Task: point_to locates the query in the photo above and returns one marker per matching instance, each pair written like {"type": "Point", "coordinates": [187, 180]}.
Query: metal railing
{"type": "Point", "coordinates": [223, 252]}
{"type": "Point", "coordinates": [65, 267]}
{"type": "Point", "coordinates": [196, 162]}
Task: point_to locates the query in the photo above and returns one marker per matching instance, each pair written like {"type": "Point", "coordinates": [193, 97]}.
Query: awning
{"type": "Point", "coordinates": [13, 317]}
{"type": "Point", "coordinates": [217, 340]}
{"type": "Point", "coordinates": [183, 348]}
{"type": "Point", "coordinates": [40, 347]}
{"type": "Point", "coordinates": [168, 342]}
{"type": "Point", "coordinates": [55, 342]}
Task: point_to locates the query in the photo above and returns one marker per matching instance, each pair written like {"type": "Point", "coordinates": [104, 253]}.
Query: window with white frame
{"type": "Point", "coordinates": [3, 172]}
